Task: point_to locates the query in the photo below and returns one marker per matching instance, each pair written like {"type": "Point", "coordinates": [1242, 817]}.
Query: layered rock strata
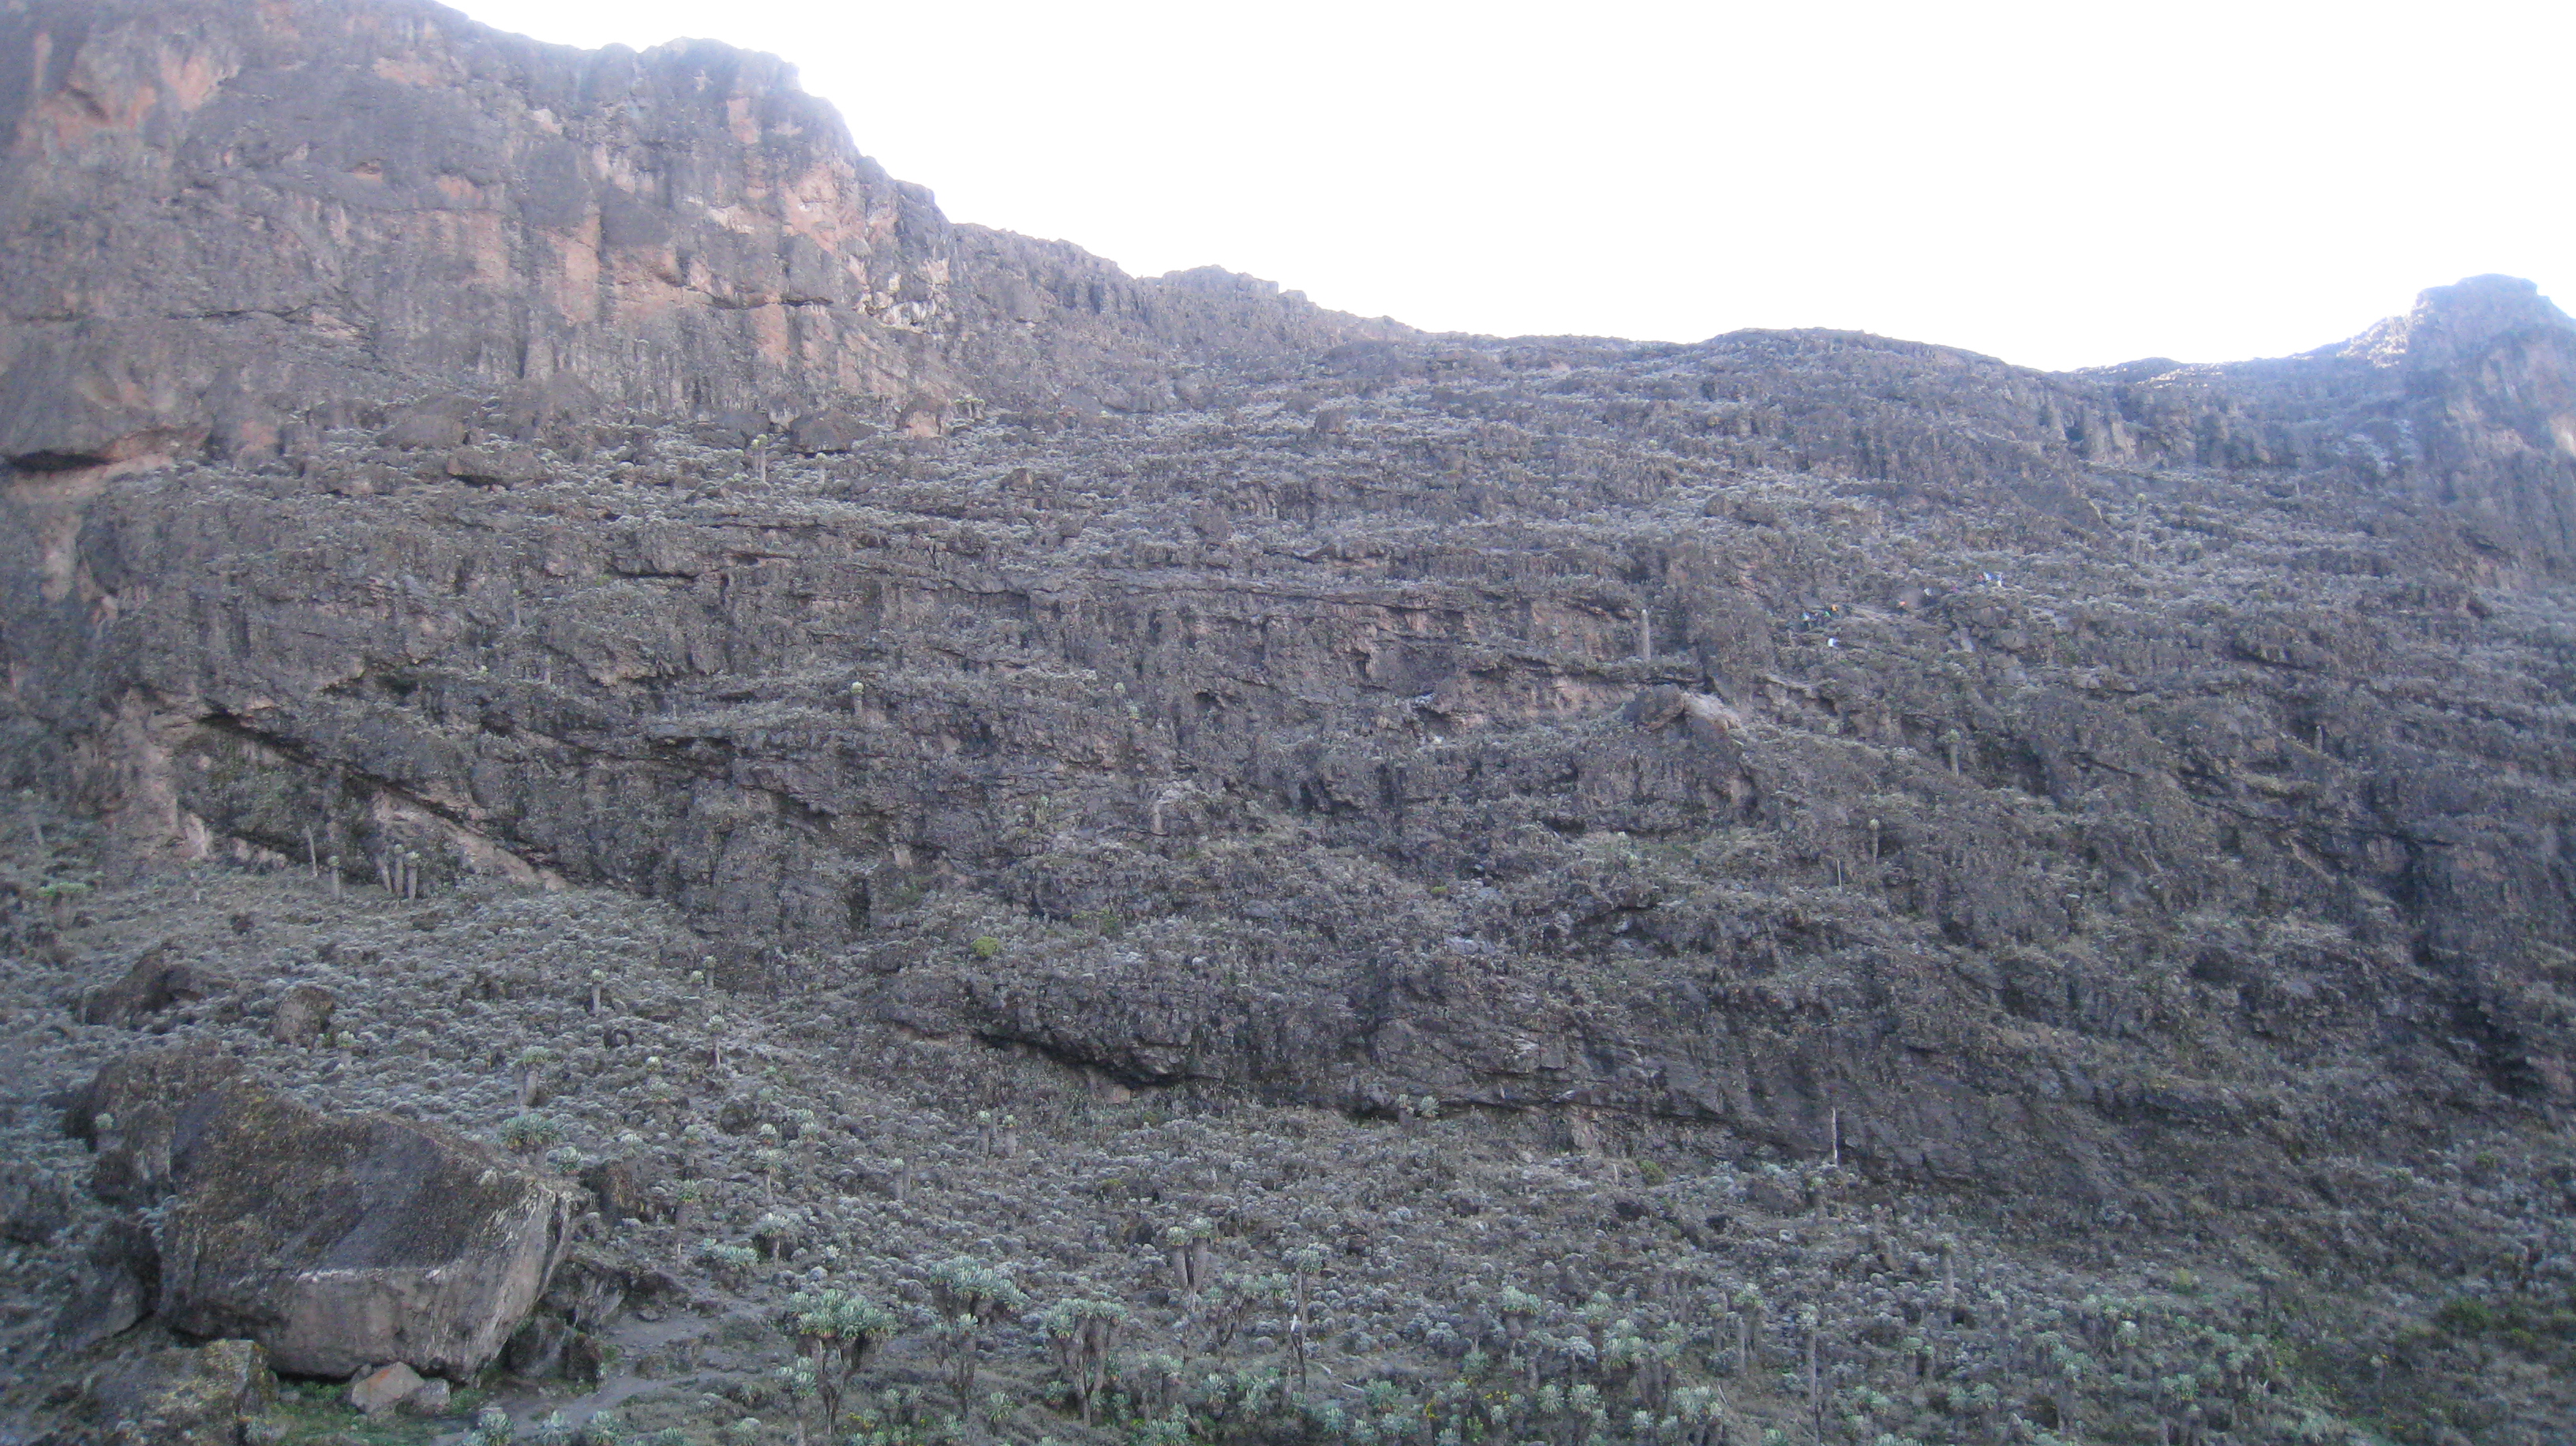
{"type": "Point", "coordinates": [2121, 780]}
{"type": "Point", "coordinates": [232, 223]}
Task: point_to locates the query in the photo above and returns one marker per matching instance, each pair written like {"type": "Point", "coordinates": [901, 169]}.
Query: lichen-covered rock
{"type": "Point", "coordinates": [407, 1243]}
{"type": "Point", "coordinates": [129, 1110]}
{"type": "Point", "coordinates": [181, 1397]}
{"type": "Point", "coordinates": [117, 1288]}
{"type": "Point", "coordinates": [302, 1015]}
{"type": "Point", "coordinates": [623, 1190]}
{"type": "Point", "coordinates": [385, 1388]}
{"type": "Point", "coordinates": [496, 466]}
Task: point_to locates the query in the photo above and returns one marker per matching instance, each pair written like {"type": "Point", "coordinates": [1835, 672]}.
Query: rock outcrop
{"type": "Point", "coordinates": [33, 1205]}
{"type": "Point", "coordinates": [118, 1287]}
{"type": "Point", "coordinates": [129, 1114]}
{"type": "Point", "coordinates": [2464, 408]}
{"type": "Point", "coordinates": [303, 1016]}
{"type": "Point", "coordinates": [231, 224]}
{"type": "Point", "coordinates": [406, 1243]}
{"type": "Point", "coordinates": [156, 983]}
{"type": "Point", "coordinates": [1834, 740]}
{"type": "Point", "coordinates": [200, 1396]}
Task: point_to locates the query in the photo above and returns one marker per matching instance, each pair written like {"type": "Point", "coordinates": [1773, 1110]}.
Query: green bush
{"type": "Point", "coordinates": [527, 1134]}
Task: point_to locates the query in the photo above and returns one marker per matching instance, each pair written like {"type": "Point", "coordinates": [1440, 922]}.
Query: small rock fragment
{"type": "Point", "coordinates": [432, 1399]}
{"type": "Point", "coordinates": [384, 1388]}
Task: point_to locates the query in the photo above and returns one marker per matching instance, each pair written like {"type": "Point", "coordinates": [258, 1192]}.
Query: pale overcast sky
{"type": "Point", "coordinates": [2060, 184]}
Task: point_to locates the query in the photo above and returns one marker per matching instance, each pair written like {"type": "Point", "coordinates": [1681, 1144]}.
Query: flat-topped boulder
{"type": "Point", "coordinates": [402, 1241]}
{"type": "Point", "coordinates": [340, 1242]}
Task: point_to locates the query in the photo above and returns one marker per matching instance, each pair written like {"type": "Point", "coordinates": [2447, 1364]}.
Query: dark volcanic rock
{"type": "Point", "coordinates": [623, 1190]}
{"type": "Point", "coordinates": [129, 1112]}
{"type": "Point", "coordinates": [408, 1243]}
{"type": "Point", "coordinates": [1789, 729]}
{"type": "Point", "coordinates": [225, 214]}
{"type": "Point", "coordinates": [302, 1016]}
{"type": "Point", "coordinates": [2466, 404]}
{"type": "Point", "coordinates": [157, 982]}
{"type": "Point", "coordinates": [496, 466]}
{"type": "Point", "coordinates": [33, 1204]}
{"type": "Point", "coordinates": [2105, 790]}
{"type": "Point", "coordinates": [201, 1396]}
{"type": "Point", "coordinates": [829, 431]}
{"type": "Point", "coordinates": [118, 1289]}
{"type": "Point", "coordinates": [405, 1242]}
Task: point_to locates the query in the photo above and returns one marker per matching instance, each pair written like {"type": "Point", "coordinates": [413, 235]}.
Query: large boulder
{"type": "Point", "coordinates": [405, 1242]}
{"type": "Point", "coordinates": [335, 1241]}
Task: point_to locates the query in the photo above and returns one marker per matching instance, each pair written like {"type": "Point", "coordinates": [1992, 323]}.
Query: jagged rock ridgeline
{"type": "Point", "coordinates": [232, 225]}
{"type": "Point", "coordinates": [2466, 403]}
{"type": "Point", "coordinates": [226, 220]}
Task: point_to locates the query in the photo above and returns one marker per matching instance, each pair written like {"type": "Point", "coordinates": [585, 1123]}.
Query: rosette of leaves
{"type": "Point", "coordinates": [529, 1133]}
{"type": "Point", "coordinates": [970, 1297]}
{"type": "Point", "coordinates": [836, 1331]}
{"type": "Point", "coordinates": [1081, 1333]}
{"type": "Point", "coordinates": [1186, 1248]}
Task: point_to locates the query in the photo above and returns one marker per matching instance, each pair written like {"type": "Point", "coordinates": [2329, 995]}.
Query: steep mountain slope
{"type": "Point", "coordinates": [1977, 739]}
{"type": "Point", "coordinates": [2101, 798]}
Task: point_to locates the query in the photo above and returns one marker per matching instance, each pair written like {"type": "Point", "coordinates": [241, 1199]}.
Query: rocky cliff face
{"type": "Point", "coordinates": [447, 456]}
{"type": "Point", "coordinates": [1800, 733]}
{"type": "Point", "coordinates": [229, 219]}
{"type": "Point", "coordinates": [2461, 407]}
